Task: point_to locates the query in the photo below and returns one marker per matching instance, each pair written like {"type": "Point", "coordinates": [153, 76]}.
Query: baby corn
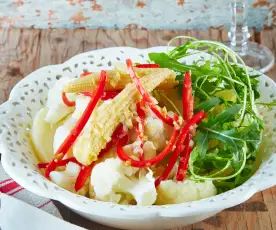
{"type": "Point", "coordinates": [109, 115]}
{"type": "Point", "coordinates": [115, 80]}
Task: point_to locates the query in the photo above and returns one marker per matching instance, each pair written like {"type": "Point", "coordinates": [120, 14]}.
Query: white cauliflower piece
{"type": "Point", "coordinates": [154, 130]}
{"type": "Point", "coordinates": [172, 192]}
{"type": "Point", "coordinates": [81, 104]}
{"type": "Point", "coordinates": [63, 131]}
{"type": "Point", "coordinates": [57, 110]}
{"type": "Point", "coordinates": [60, 135]}
{"type": "Point", "coordinates": [111, 179]}
{"type": "Point", "coordinates": [134, 148]}
{"type": "Point", "coordinates": [67, 178]}
{"type": "Point", "coordinates": [149, 150]}
{"type": "Point", "coordinates": [42, 134]}
{"type": "Point", "coordinates": [108, 179]}
{"type": "Point", "coordinates": [144, 190]}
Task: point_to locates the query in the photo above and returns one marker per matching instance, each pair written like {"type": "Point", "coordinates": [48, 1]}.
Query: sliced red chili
{"type": "Point", "coordinates": [146, 97]}
{"type": "Point", "coordinates": [88, 94]}
{"type": "Point", "coordinates": [141, 126]}
{"type": "Point", "coordinates": [179, 145]}
{"type": "Point", "coordinates": [110, 94]}
{"type": "Point", "coordinates": [85, 74]}
{"type": "Point", "coordinates": [42, 165]}
{"type": "Point", "coordinates": [146, 163]}
{"type": "Point", "coordinates": [188, 107]}
{"type": "Point", "coordinates": [66, 101]}
{"type": "Point", "coordinates": [187, 97]}
{"type": "Point", "coordinates": [71, 138]}
{"type": "Point", "coordinates": [87, 170]}
{"type": "Point", "coordinates": [147, 66]}
{"type": "Point", "coordinates": [184, 158]}
{"type": "Point", "coordinates": [60, 163]}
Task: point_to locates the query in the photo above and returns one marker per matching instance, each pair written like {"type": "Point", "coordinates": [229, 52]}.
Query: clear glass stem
{"type": "Point", "coordinates": [238, 33]}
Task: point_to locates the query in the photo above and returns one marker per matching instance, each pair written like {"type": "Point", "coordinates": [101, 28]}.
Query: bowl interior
{"type": "Point", "coordinates": [30, 94]}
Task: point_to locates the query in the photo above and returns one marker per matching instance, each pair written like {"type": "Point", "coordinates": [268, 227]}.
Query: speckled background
{"type": "Point", "coordinates": [150, 14]}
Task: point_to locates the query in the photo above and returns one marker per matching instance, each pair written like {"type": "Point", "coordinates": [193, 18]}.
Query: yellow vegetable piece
{"type": "Point", "coordinates": [110, 114]}
{"type": "Point", "coordinates": [228, 95]}
{"type": "Point", "coordinates": [116, 80]}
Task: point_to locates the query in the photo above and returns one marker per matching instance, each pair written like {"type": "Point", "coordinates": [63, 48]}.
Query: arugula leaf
{"type": "Point", "coordinates": [226, 136]}
{"type": "Point", "coordinates": [226, 145]}
{"type": "Point", "coordinates": [202, 143]}
{"type": "Point", "coordinates": [208, 104]}
{"type": "Point", "coordinates": [228, 115]}
{"type": "Point", "coordinates": [166, 62]}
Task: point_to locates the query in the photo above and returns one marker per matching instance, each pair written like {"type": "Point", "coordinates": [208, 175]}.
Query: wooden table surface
{"type": "Point", "coordinates": [24, 50]}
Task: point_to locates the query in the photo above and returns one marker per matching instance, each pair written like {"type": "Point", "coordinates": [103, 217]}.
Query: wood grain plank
{"type": "Point", "coordinates": [267, 38]}
{"type": "Point", "coordinates": [19, 50]}
{"type": "Point", "coordinates": [130, 37]}
{"type": "Point", "coordinates": [142, 40]}
{"type": "Point", "coordinates": [109, 38]}
{"type": "Point", "coordinates": [60, 45]}
{"type": "Point", "coordinates": [89, 42]}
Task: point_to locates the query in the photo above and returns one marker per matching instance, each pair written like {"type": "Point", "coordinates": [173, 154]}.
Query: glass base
{"type": "Point", "coordinates": [255, 56]}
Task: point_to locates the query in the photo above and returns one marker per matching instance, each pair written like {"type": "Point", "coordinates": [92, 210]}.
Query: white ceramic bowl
{"type": "Point", "coordinates": [30, 94]}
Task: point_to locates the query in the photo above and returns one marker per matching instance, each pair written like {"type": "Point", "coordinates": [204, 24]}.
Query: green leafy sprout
{"type": "Point", "coordinates": [228, 140]}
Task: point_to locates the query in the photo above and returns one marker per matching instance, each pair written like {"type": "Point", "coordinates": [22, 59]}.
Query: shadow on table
{"type": "Point", "coordinates": [76, 219]}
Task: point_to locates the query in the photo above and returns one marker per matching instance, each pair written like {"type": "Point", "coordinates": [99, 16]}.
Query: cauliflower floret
{"type": "Point", "coordinates": [172, 192]}
{"type": "Point", "coordinates": [111, 179]}
{"type": "Point", "coordinates": [81, 104]}
{"type": "Point", "coordinates": [134, 148]}
{"type": "Point", "coordinates": [149, 150]}
{"type": "Point", "coordinates": [144, 190]}
{"type": "Point", "coordinates": [63, 131]}
{"type": "Point", "coordinates": [60, 135]}
{"type": "Point", "coordinates": [154, 130]}
{"type": "Point", "coordinates": [108, 178]}
{"type": "Point", "coordinates": [67, 178]}
{"type": "Point", "coordinates": [57, 110]}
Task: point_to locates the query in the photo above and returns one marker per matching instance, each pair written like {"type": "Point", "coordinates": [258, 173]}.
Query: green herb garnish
{"type": "Point", "coordinates": [227, 142]}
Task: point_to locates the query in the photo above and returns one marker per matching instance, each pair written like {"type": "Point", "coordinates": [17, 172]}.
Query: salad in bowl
{"type": "Point", "coordinates": [169, 130]}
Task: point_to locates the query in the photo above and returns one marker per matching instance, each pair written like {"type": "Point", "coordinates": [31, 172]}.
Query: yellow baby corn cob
{"type": "Point", "coordinates": [109, 114]}
{"type": "Point", "coordinates": [115, 80]}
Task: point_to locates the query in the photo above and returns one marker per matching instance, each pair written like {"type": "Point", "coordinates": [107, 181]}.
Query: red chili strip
{"type": "Point", "coordinates": [60, 163]}
{"type": "Point", "coordinates": [110, 94]}
{"type": "Point", "coordinates": [85, 74]}
{"type": "Point", "coordinates": [184, 158]}
{"type": "Point", "coordinates": [66, 101]}
{"type": "Point", "coordinates": [141, 126]}
{"type": "Point", "coordinates": [187, 97]}
{"type": "Point", "coordinates": [87, 170]}
{"type": "Point", "coordinates": [146, 163]}
{"type": "Point", "coordinates": [147, 66]}
{"type": "Point", "coordinates": [42, 165]}
{"type": "Point", "coordinates": [179, 145]}
{"type": "Point", "coordinates": [188, 109]}
{"type": "Point", "coordinates": [146, 97]}
{"type": "Point", "coordinates": [71, 138]}
{"type": "Point", "coordinates": [88, 94]}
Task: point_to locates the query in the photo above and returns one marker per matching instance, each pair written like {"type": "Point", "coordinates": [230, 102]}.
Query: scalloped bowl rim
{"type": "Point", "coordinates": [99, 208]}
